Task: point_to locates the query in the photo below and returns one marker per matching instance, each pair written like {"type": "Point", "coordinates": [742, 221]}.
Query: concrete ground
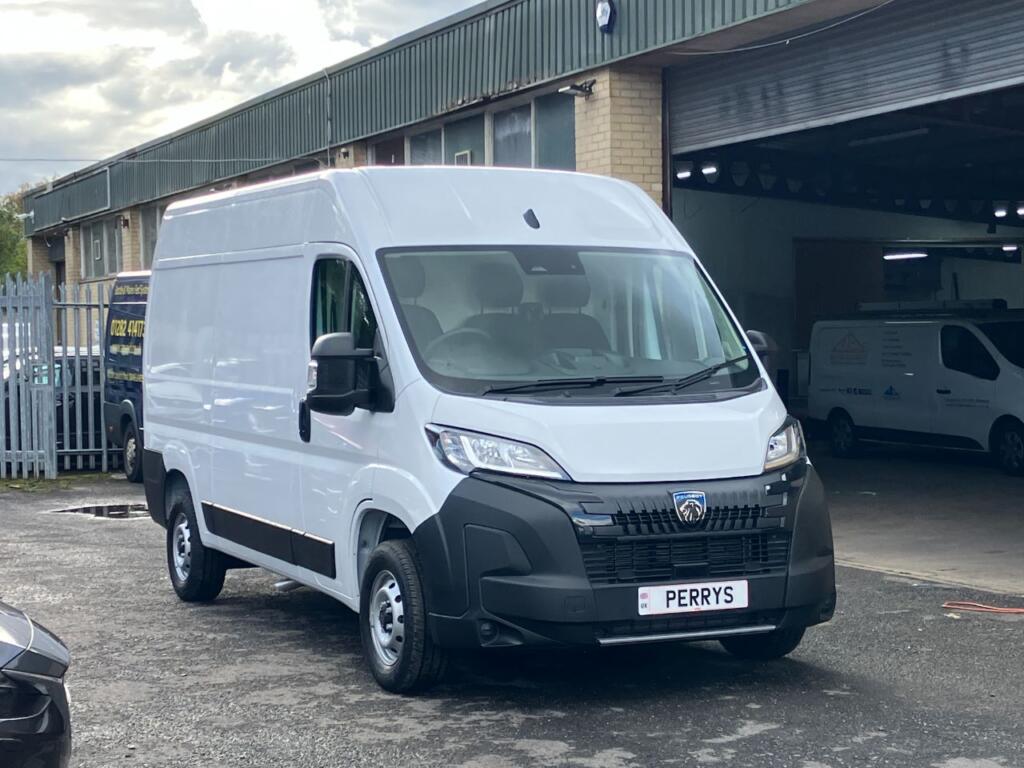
{"type": "Point", "coordinates": [939, 515]}
{"type": "Point", "coordinates": [261, 678]}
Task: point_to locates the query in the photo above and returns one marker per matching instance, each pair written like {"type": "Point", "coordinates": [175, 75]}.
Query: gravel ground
{"type": "Point", "coordinates": [261, 678]}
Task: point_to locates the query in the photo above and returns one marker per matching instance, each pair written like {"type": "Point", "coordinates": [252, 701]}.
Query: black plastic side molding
{"type": "Point", "coordinates": [154, 478]}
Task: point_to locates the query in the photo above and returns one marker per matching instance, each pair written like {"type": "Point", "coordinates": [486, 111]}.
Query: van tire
{"type": "Point", "coordinates": [392, 588]}
{"type": "Point", "coordinates": [766, 647]}
{"type": "Point", "coordinates": [197, 573]}
{"type": "Point", "coordinates": [131, 453]}
{"type": "Point", "coordinates": [1008, 447]}
{"type": "Point", "coordinates": [842, 435]}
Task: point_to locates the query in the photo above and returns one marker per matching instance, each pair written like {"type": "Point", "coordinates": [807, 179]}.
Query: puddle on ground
{"type": "Point", "coordinates": [108, 511]}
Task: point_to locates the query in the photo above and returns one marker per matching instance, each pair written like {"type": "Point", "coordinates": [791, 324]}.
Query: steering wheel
{"type": "Point", "coordinates": [456, 338]}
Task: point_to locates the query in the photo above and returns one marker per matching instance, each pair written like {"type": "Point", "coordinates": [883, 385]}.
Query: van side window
{"type": "Point", "coordinates": [963, 352]}
{"type": "Point", "coordinates": [340, 303]}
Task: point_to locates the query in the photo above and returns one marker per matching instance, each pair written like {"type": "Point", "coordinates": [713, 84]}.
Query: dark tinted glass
{"type": "Point", "coordinates": [963, 352]}
{"type": "Point", "coordinates": [1008, 338]}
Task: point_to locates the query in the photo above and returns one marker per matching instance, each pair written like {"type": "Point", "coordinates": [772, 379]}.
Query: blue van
{"type": "Point", "coordinates": [122, 358]}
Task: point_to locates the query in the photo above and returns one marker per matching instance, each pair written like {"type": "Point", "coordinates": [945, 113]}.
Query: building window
{"type": "Point", "coordinates": [555, 121]}
{"type": "Point", "coordinates": [513, 137]}
{"type": "Point", "coordinates": [102, 252]}
{"type": "Point", "coordinates": [426, 149]}
{"type": "Point", "coordinates": [152, 216]}
{"type": "Point", "coordinates": [464, 142]}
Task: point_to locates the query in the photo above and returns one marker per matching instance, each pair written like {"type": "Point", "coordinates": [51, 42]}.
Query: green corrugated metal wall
{"type": "Point", "coordinates": [501, 50]}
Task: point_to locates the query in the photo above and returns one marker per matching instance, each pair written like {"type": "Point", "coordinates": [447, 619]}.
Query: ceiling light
{"type": "Point", "coordinates": [684, 170]}
{"type": "Point", "coordinates": [1001, 210]}
{"type": "Point", "coordinates": [1020, 209]}
{"type": "Point", "coordinates": [709, 169]}
{"type": "Point", "coordinates": [905, 256]}
{"type": "Point", "coordinates": [1009, 248]}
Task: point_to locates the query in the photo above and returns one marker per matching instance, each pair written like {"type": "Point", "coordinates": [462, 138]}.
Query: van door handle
{"type": "Point", "coordinates": [305, 426]}
{"type": "Point", "coordinates": [943, 392]}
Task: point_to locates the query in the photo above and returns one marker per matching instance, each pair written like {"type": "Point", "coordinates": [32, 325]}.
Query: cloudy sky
{"type": "Point", "coordinates": [88, 78]}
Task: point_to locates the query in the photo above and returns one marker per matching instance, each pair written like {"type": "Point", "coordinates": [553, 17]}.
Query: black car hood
{"type": "Point", "coordinates": [28, 647]}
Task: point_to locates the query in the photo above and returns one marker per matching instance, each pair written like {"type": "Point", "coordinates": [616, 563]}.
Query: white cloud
{"type": "Point", "coordinates": [89, 78]}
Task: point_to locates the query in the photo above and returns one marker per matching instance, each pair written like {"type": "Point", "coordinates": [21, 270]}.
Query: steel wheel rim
{"type": "Point", "coordinates": [386, 617]}
{"type": "Point", "coordinates": [181, 548]}
{"type": "Point", "coordinates": [129, 455]}
{"type": "Point", "coordinates": [1013, 449]}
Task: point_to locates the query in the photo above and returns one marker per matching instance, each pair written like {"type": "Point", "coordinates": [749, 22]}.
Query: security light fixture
{"type": "Point", "coordinates": [684, 170]}
{"type": "Point", "coordinates": [709, 169]}
{"type": "Point", "coordinates": [30, 216]}
{"type": "Point", "coordinates": [1010, 248]}
{"type": "Point", "coordinates": [584, 89]}
{"type": "Point", "coordinates": [1020, 209]}
{"type": "Point", "coordinates": [1000, 210]}
{"type": "Point", "coordinates": [605, 14]}
{"type": "Point", "coordinates": [905, 256]}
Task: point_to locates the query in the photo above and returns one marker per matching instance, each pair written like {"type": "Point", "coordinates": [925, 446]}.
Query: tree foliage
{"type": "Point", "coordinates": [13, 250]}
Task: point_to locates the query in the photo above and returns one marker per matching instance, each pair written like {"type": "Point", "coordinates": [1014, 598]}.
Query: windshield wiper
{"type": "Point", "coordinates": [544, 385]}
{"type": "Point", "coordinates": [683, 383]}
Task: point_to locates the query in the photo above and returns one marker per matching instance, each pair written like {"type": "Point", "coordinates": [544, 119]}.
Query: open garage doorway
{"type": "Point", "coordinates": [907, 218]}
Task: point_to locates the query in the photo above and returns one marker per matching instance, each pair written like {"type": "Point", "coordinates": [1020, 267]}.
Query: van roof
{"type": "Point", "coordinates": [419, 206]}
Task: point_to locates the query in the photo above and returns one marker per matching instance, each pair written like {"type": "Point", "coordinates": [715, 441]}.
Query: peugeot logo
{"type": "Point", "coordinates": [691, 506]}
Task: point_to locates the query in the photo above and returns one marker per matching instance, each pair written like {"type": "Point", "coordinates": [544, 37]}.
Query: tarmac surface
{"type": "Point", "coordinates": [262, 678]}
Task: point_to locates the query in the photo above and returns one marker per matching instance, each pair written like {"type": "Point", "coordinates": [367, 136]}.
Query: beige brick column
{"type": "Point", "coordinates": [73, 256]}
{"type": "Point", "coordinates": [38, 256]}
{"type": "Point", "coordinates": [131, 240]}
{"type": "Point", "coordinates": [618, 127]}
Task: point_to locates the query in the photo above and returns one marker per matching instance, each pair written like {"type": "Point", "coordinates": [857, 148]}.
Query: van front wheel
{"type": "Point", "coordinates": [766, 647]}
{"type": "Point", "coordinates": [1009, 448]}
{"type": "Point", "coordinates": [842, 434]}
{"type": "Point", "coordinates": [393, 621]}
{"type": "Point", "coordinates": [197, 573]}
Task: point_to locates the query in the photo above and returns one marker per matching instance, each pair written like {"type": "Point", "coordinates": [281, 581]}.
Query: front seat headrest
{"type": "Point", "coordinates": [408, 276]}
{"type": "Point", "coordinates": [498, 286]}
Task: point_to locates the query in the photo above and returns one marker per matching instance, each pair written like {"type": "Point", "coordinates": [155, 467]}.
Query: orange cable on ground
{"type": "Point", "coordinates": [960, 605]}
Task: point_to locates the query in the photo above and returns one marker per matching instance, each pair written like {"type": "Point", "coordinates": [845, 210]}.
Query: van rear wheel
{"type": "Point", "coordinates": [132, 454]}
{"type": "Point", "coordinates": [766, 647]}
{"type": "Point", "coordinates": [843, 435]}
{"type": "Point", "coordinates": [197, 573]}
{"type": "Point", "coordinates": [1009, 448]}
{"type": "Point", "coordinates": [393, 621]}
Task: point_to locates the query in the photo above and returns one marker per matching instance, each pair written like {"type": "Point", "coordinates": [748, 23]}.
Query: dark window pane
{"type": "Point", "coordinates": [425, 149]}
{"type": "Point", "coordinates": [963, 352]}
{"type": "Point", "coordinates": [1008, 338]}
{"type": "Point", "coordinates": [512, 139]}
{"type": "Point", "coordinates": [556, 132]}
{"type": "Point", "coordinates": [362, 324]}
{"type": "Point", "coordinates": [390, 152]}
{"type": "Point", "coordinates": [464, 142]}
{"type": "Point", "coordinates": [328, 297]}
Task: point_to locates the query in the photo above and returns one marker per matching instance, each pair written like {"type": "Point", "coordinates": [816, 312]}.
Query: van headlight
{"type": "Point", "coordinates": [466, 451]}
{"type": "Point", "coordinates": [785, 446]}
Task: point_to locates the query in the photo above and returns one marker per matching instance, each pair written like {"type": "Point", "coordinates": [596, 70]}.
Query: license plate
{"type": "Point", "coordinates": [693, 598]}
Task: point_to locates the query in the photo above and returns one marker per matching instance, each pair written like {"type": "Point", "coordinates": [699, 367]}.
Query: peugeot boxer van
{"type": "Point", "coordinates": [945, 379]}
{"type": "Point", "coordinates": [481, 407]}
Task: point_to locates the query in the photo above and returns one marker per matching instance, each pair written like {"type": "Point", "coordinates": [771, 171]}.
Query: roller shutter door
{"type": "Point", "coordinates": [908, 53]}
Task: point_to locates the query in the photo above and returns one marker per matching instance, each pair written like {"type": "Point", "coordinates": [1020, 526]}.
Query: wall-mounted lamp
{"type": "Point", "coordinates": [30, 216]}
{"type": "Point", "coordinates": [1000, 210]}
{"type": "Point", "coordinates": [606, 14]}
{"type": "Point", "coordinates": [126, 223]}
{"type": "Point", "coordinates": [584, 89]}
{"type": "Point", "coordinates": [684, 170]}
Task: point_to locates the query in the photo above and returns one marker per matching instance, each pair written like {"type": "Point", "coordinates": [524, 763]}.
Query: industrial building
{"type": "Point", "coordinates": [795, 143]}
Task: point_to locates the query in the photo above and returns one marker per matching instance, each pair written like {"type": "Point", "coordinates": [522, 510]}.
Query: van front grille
{"type": "Point", "coordinates": [643, 516]}
{"type": "Point", "coordinates": [626, 561]}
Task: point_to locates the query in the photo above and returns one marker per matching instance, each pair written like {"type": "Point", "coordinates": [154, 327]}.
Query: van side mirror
{"type": "Point", "coordinates": [341, 378]}
{"type": "Point", "coordinates": [764, 346]}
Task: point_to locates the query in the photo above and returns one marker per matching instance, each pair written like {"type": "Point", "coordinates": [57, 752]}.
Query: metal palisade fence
{"type": "Point", "coordinates": [51, 416]}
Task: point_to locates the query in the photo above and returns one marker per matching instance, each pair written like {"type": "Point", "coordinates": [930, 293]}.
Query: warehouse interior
{"type": "Point", "coordinates": [797, 227]}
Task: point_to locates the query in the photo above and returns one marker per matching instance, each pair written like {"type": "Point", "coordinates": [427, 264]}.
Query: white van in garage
{"type": "Point", "coordinates": [481, 407]}
{"type": "Point", "coordinates": [945, 379]}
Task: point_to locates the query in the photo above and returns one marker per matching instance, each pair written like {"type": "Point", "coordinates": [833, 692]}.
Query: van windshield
{"type": "Point", "coordinates": [1008, 337]}
{"type": "Point", "coordinates": [561, 321]}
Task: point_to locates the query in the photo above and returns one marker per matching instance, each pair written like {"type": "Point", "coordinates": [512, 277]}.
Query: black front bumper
{"type": "Point", "coordinates": [509, 561]}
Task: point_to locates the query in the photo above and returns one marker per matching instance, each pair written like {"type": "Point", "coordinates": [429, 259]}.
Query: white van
{"type": "Point", "coordinates": [952, 380]}
{"type": "Point", "coordinates": [483, 408]}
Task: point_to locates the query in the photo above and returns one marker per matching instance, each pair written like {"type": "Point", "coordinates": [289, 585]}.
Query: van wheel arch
{"type": "Point", "coordinates": [842, 433]}
{"type": "Point", "coordinates": [172, 482]}
{"type": "Point", "coordinates": [375, 527]}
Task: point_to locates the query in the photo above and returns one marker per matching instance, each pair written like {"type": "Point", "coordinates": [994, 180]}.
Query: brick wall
{"type": "Point", "coordinates": [131, 241]}
{"type": "Point", "coordinates": [38, 256]}
{"type": "Point", "coordinates": [618, 128]}
{"type": "Point", "coordinates": [357, 156]}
